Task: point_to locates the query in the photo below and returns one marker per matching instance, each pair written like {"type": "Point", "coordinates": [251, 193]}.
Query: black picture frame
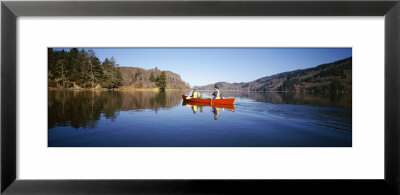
{"type": "Point", "coordinates": [10, 10]}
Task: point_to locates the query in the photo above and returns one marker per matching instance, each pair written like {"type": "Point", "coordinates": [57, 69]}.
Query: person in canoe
{"type": "Point", "coordinates": [202, 96]}
{"type": "Point", "coordinates": [194, 94]}
{"type": "Point", "coordinates": [216, 94]}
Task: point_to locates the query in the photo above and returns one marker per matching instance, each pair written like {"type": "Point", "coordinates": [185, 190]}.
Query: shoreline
{"type": "Point", "coordinates": [124, 88]}
{"type": "Point", "coordinates": [115, 89]}
{"type": "Point", "coordinates": [211, 90]}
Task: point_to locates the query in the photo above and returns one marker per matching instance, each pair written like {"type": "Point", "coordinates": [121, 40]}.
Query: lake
{"type": "Point", "coordinates": [154, 119]}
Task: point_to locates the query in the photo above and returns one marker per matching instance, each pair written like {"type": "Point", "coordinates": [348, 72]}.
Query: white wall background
{"type": "Point", "coordinates": [365, 160]}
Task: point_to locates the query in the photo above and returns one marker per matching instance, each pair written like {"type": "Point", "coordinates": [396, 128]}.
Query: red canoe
{"type": "Point", "coordinates": [208, 101]}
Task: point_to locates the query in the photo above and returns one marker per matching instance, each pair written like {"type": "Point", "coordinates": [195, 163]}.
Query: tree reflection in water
{"type": "Point", "coordinates": [85, 108]}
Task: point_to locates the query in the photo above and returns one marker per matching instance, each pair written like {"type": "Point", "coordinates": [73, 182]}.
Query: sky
{"type": "Point", "coordinates": [202, 66]}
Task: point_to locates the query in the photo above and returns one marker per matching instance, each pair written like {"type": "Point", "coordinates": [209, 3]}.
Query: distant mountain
{"type": "Point", "coordinates": [331, 77]}
{"type": "Point", "coordinates": [141, 78]}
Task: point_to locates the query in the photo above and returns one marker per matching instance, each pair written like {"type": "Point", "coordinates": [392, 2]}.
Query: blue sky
{"type": "Point", "coordinates": [202, 66]}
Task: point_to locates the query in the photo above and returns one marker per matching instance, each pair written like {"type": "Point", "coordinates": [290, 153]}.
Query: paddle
{"type": "Point", "coordinates": [211, 100]}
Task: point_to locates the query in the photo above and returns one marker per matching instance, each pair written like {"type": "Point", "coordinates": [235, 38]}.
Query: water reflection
{"type": "Point", "coordinates": [85, 108]}
{"type": "Point", "coordinates": [341, 100]}
{"type": "Point", "coordinates": [146, 118]}
{"type": "Point", "coordinates": [215, 109]}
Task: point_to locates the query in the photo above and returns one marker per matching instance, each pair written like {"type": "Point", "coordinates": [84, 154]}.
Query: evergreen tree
{"type": "Point", "coordinates": [75, 64]}
{"type": "Point", "coordinates": [95, 68]}
{"type": "Point", "coordinates": [152, 79]}
{"type": "Point", "coordinates": [62, 78]}
{"type": "Point", "coordinates": [52, 67]}
{"type": "Point", "coordinates": [81, 67]}
{"type": "Point", "coordinates": [161, 81]}
{"type": "Point", "coordinates": [112, 75]}
{"type": "Point", "coordinates": [84, 73]}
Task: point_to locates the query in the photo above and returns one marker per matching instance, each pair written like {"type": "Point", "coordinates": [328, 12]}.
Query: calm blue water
{"type": "Point", "coordinates": [150, 119]}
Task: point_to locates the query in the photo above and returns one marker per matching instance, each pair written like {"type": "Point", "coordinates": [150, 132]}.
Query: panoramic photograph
{"type": "Point", "coordinates": [199, 97]}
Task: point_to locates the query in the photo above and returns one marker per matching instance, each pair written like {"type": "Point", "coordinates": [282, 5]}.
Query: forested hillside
{"type": "Point", "coordinates": [331, 77]}
{"type": "Point", "coordinates": [77, 69]}
{"type": "Point", "coordinates": [81, 68]}
{"type": "Point", "coordinates": [141, 78]}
